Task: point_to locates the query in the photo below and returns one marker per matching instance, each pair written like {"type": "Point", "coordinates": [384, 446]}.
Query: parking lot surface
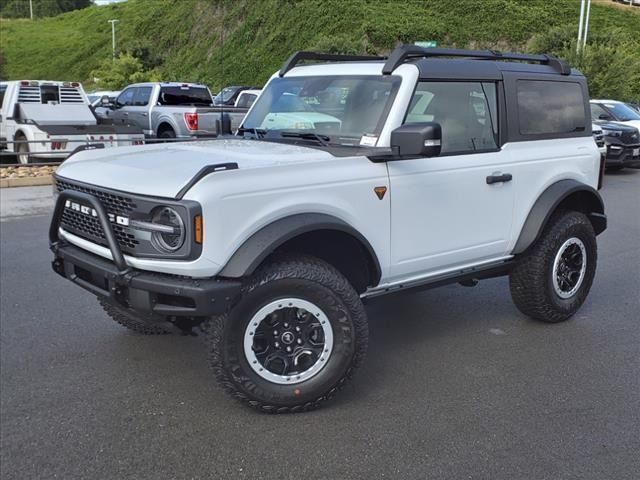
{"type": "Point", "coordinates": [457, 383]}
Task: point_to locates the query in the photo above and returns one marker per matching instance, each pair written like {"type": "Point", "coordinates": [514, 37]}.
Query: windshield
{"type": "Point", "coordinates": [225, 95]}
{"type": "Point", "coordinates": [347, 110]}
{"type": "Point", "coordinates": [622, 112]}
{"type": "Point", "coordinates": [184, 96]}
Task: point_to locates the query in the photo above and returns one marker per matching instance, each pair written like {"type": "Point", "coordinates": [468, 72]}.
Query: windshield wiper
{"type": "Point", "coordinates": [258, 132]}
{"type": "Point", "coordinates": [321, 139]}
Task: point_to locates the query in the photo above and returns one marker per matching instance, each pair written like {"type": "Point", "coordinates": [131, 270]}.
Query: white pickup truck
{"type": "Point", "coordinates": [48, 120]}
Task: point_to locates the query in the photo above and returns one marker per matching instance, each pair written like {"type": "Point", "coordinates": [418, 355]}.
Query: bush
{"type": "Point", "coordinates": [610, 60]}
{"type": "Point", "coordinates": [118, 73]}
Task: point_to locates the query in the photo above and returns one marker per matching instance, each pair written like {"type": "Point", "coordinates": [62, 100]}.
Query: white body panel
{"type": "Point", "coordinates": [444, 214]}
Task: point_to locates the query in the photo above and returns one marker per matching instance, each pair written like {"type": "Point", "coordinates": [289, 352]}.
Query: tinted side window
{"type": "Point", "coordinates": [125, 98]}
{"type": "Point", "coordinates": [546, 107]}
{"type": "Point", "coordinates": [141, 97]}
{"type": "Point", "coordinates": [3, 88]}
{"type": "Point", "coordinates": [466, 111]}
{"type": "Point", "coordinates": [597, 110]}
{"type": "Point", "coordinates": [246, 100]}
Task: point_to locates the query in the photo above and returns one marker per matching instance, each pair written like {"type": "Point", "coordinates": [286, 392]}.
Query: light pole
{"type": "Point", "coordinates": [583, 28]}
{"type": "Point", "coordinates": [580, 27]}
{"type": "Point", "coordinates": [586, 25]}
{"type": "Point", "coordinates": [113, 37]}
{"type": "Point", "coordinates": [31, 9]}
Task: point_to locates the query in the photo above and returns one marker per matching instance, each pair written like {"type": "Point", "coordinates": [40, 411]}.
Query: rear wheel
{"type": "Point", "coordinates": [22, 150]}
{"type": "Point", "coordinates": [293, 340]}
{"type": "Point", "coordinates": [167, 132]}
{"type": "Point", "coordinates": [551, 281]}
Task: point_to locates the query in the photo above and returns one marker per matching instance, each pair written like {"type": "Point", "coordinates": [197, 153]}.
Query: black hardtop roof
{"type": "Point", "coordinates": [434, 68]}
{"type": "Point", "coordinates": [449, 63]}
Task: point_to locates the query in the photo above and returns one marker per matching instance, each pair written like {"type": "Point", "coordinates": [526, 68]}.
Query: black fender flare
{"type": "Point", "coordinates": [266, 240]}
{"type": "Point", "coordinates": [547, 203]}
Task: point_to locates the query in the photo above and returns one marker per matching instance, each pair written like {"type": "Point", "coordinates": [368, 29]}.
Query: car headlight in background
{"type": "Point", "coordinates": [612, 133]}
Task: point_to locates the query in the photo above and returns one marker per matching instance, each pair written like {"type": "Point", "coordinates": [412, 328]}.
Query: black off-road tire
{"type": "Point", "coordinates": [303, 277]}
{"type": "Point", "coordinates": [531, 280]}
{"type": "Point", "coordinates": [130, 321]}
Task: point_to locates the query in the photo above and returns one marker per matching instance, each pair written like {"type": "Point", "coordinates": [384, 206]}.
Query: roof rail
{"type": "Point", "coordinates": [297, 57]}
{"type": "Point", "coordinates": [404, 52]}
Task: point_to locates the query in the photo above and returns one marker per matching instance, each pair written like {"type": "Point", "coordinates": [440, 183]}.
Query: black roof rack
{"type": "Point", "coordinates": [404, 52]}
{"type": "Point", "coordinates": [297, 57]}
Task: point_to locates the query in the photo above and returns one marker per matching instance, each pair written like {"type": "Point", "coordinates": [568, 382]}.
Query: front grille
{"type": "Point", "coordinates": [88, 226]}
{"type": "Point", "coordinates": [631, 138]}
{"type": "Point", "coordinates": [113, 203]}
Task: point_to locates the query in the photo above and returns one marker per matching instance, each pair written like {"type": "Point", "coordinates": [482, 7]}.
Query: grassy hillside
{"type": "Point", "coordinates": [183, 37]}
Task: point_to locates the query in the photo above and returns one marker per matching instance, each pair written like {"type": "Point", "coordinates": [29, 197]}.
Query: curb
{"type": "Point", "coordinates": [26, 181]}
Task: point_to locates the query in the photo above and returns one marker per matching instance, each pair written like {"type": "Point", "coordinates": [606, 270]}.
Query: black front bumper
{"type": "Point", "coordinates": [149, 293]}
{"type": "Point", "coordinates": [623, 156]}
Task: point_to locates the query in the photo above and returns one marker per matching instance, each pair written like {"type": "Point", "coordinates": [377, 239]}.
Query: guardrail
{"type": "Point", "coordinates": [58, 151]}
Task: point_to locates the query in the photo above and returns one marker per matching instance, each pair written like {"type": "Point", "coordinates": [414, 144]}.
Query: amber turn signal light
{"type": "Point", "coordinates": [197, 229]}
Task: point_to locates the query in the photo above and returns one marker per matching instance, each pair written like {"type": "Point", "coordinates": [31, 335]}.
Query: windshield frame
{"type": "Point", "coordinates": [335, 140]}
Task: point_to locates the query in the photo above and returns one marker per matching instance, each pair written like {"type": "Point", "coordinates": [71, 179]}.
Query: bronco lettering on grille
{"type": "Point", "coordinates": [120, 220]}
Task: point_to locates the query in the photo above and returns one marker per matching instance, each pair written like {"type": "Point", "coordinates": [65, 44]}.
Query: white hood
{"type": "Point", "coordinates": [163, 170]}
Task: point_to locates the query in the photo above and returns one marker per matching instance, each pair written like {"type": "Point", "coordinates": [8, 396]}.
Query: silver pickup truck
{"type": "Point", "coordinates": [172, 110]}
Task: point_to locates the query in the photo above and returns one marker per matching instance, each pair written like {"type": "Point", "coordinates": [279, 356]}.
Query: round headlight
{"type": "Point", "coordinates": [169, 241]}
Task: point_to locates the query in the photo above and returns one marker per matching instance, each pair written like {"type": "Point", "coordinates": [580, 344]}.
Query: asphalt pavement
{"type": "Point", "coordinates": [457, 383]}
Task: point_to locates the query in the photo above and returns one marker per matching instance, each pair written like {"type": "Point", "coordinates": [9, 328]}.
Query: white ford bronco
{"type": "Point", "coordinates": [350, 178]}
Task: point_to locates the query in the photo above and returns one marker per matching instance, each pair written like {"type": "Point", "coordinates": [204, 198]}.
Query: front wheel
{"type": "Point", "coordinates": [551, 281]}
{"type": "Point", "coordinates": [294, 338]}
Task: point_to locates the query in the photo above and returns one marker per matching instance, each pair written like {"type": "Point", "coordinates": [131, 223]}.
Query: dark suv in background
{"type": "Point", "coordinates": [623, 145]}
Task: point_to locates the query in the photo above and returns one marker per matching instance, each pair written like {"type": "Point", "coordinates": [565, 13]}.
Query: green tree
{"type": "Point", "coordinates": [2, 64]}
{"type": "Point", "coordinates": [120, 72]}
{"type": "Point", "coordinates": [610, 60]}
{"type": "Point", "coordinates": [41, 8]}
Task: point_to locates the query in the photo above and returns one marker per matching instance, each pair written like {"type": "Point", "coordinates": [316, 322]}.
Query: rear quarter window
{"type": "Point", "coordinates": [547, 107]}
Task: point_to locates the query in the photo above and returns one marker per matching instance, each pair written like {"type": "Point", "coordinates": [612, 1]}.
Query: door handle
{"type": "Point", "coordinates": [126, 114]}
{"type": "Point", "coordinates": [144, 114]}
{"type": "Point", "coordinates": [500, 178]}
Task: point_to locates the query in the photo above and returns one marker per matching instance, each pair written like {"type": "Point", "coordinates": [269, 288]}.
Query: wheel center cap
{"type": "Point", "coordinates": [287, 338]}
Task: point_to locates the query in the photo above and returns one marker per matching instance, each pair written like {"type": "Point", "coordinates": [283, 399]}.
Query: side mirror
{"type": "Point", "coordinates": [604, 116]}
{"type": "Point", "coordinates": [417, 140]}
{"type": "Point", "coordinates": [104, 101]}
